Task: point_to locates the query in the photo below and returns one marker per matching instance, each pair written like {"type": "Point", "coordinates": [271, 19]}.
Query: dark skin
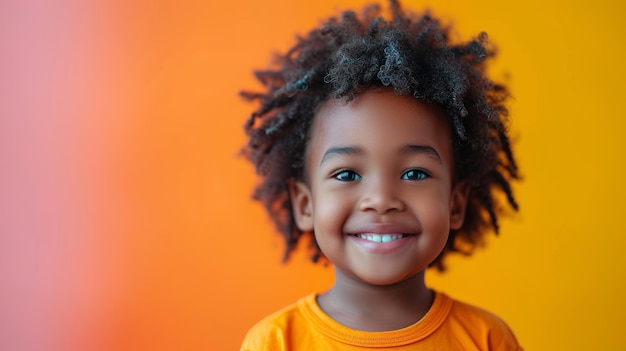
{"type": "Point", "coordinates": [367, 307]}
{"type": "Point", "coordinates": [379, 167]}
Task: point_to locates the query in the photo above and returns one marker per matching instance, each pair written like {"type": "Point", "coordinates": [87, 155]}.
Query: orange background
{"type": "Point", "coordinates": [125, 218]}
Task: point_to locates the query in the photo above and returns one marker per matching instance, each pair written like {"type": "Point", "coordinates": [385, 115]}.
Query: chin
{"type": "Point", "coordinates": [385, 279]}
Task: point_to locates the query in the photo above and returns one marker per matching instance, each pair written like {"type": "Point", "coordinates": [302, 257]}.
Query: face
{"type": "Point", "coordinates": [378, 189]}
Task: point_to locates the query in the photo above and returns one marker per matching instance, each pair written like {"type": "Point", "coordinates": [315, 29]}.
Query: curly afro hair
{"type": "Point", "coordinates": [411, 54]}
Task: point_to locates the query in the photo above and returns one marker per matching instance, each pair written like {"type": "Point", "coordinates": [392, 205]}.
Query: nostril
{"type": "Point", "coordinates": [381, 204]}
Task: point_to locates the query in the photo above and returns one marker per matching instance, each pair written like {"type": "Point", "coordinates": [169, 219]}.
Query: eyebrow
{"type": "Point", "coordinates": [407, 149]}
{"type": "Point", "coordinates": [341, 150]}
{"type": "Point", "coordinates": [422, 149]}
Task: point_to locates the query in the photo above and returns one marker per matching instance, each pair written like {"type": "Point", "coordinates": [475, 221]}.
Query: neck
{"type": "Point", "coordinates": [368, 307]}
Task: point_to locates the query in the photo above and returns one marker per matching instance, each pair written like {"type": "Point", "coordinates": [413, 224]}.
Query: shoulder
{"type": "Point", "coordinates": [467, 313]}
{"type": "Point", "coordinates": [482, 326]}
{"type": "Point", "coordinates": [273, 332]}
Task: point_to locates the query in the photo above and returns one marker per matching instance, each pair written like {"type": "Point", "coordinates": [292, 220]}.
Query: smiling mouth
{"type": "Point", "coordinates": [381, 238]}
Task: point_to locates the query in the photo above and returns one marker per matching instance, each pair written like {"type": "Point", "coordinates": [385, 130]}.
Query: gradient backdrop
{"type": "Point", "coordinates": [125, 219]}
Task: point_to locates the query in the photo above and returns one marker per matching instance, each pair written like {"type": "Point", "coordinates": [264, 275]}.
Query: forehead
{"type": "Point", "coordinates": [378, 123]}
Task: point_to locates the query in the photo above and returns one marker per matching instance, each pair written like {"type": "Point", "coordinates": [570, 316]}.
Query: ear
{"type": "Point", "coordinates": [301, 204]}
{"type": "Point", "coordinates": [458, 204]}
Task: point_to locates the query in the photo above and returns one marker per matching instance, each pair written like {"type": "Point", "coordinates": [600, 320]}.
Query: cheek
{"type": "Point", "coordinates": [330, 214]}
{"type": "Point", "coordinates": [434, 214]}
{"type": "Point", "coordinates": [331, 211]}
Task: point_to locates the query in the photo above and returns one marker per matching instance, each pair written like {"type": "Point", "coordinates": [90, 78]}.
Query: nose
{"type": "Point", "coordinates": [381, 196]}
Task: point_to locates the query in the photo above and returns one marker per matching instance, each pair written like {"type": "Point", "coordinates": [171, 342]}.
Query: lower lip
{"type": "Point", "coordinates": [376, 247]}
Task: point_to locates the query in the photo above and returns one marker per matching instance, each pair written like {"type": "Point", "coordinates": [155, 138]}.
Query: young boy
{"type": "Point", "coordinates": [386, 143]}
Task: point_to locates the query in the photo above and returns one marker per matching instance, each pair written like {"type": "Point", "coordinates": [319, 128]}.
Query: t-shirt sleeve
{"type": "Point", "coordinates": [271, 333]}
{"type": "Point", "coordinates": [264, 336]}
{"type": "Point", "coordinates": [501, 337]}
{"type": "Point", "coordinates": [487, 330]}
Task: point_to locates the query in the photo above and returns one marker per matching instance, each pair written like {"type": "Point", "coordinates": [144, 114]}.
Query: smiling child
{"type": "Point", "coordinates": [386, 143]}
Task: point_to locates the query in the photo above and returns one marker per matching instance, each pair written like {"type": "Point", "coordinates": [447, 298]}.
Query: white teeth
{"type": "Point", "coordinates": [380, 238]}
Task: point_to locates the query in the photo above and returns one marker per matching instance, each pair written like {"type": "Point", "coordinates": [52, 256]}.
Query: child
{"type": "Point", "coordinates": [386, 143]}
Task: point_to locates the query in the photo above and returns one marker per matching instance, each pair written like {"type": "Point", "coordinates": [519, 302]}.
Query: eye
{"type": "Point", "coordinates": [415, 174]}
{"type": "Point", "coordinates": [347, 176]}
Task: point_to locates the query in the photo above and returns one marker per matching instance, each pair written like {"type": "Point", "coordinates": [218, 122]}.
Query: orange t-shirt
{"type": "Point", "coordinates": [448, 325]}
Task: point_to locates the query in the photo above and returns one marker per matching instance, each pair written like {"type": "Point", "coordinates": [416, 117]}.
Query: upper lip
{"type": "Point", "coordinates": [383, 228]}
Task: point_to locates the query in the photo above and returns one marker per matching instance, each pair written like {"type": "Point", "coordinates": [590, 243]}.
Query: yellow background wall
{"type": "Point", "coordinates": [126, 217]}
